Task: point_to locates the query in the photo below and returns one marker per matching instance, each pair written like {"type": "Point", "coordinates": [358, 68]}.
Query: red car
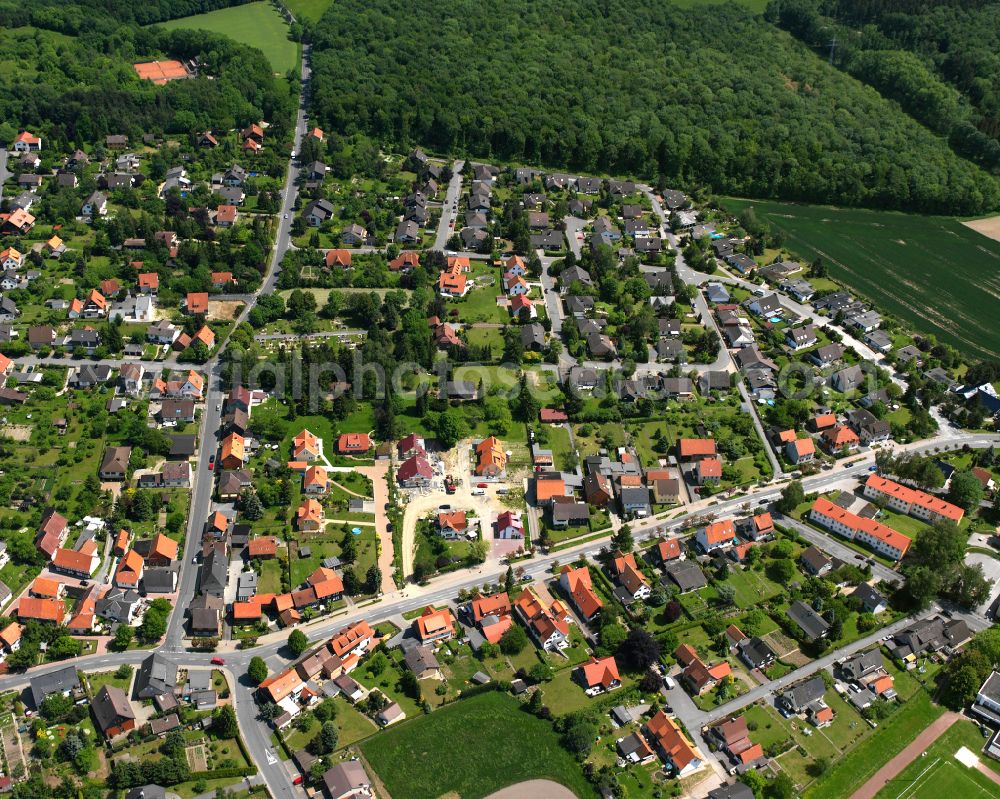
{"type": "Point", "coordinates": [211, 463]}
{"type": "Point", "coordinates": [218, 662]}
{"type": "Point", "coordinates": [297, 780]}
{"type": "Point", "coordinates": [482, 485]}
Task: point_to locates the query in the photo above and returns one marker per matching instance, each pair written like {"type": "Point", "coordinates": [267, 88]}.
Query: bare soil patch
{"type": "Point", "coordinates": [224, 310]}
{"type": "Point", "coordinates": [16, 432]}
{"type": "Point", "coordinates": [534, 789]}
{"type": "Point", "coordinates": [989, 227]}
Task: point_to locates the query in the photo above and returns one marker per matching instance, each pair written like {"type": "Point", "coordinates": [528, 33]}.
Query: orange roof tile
{"type": "Point", "coordinates": [433, 622]}
{"type": "Point", "coordinates": [603, 672]}
{"type": "Point", "coordinates": [41, 609]}
{"type": "Point", "coordinates": [246, 611]}
{"type": "Point", "coordinates": [163, 547]}
{"type": "Point", "coordinates": [46, 587]}
{"type": "Point", "coordinates": [692, 447]}
{"type": "Point", "coordinates": [857, 523]}
{"type": "Point", "coordinates": [914, 497]}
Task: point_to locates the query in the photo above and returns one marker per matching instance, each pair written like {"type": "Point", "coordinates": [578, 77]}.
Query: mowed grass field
{"type": "Point", "coordinates": [853, 769]}
{"type": "Point", "coordinates": [937, 773]}
{"type": "Point", "coordinates": [932, 272]}
{"type": "Point", "coordinates": [255, 24]}
{"type": "Point", "coordinates": [307, 10]}
{"type": "Point", "coordinates": [470, 749]}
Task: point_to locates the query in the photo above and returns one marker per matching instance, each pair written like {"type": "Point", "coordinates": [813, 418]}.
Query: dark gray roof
{"type": "Point", "coordinates": [757, 652]}
{"type": "Point", "coordinates": [736, 790]}
{"type": "Point", "coordinates": [634, 496]}
{"type": "Point", "coordinates": [863, 663]}
{"type": "Point", "coordinates": [214, 573]}
{"type": "Point", "coordinates": [805, 693]}
{"type": "Point", "coordinates": [686, 574]}
{"type": "Point", "coordinates": [869, 597]}
{"type": "Point", "coordinates": [579, 303]}
{"type": "Point", "coordinates": [58, 681]}
{"type": "Point", "coordinates": [146, 792]}
{"type": "Point", "coordinates": [117, 604]}
{"type": "Point", "coordinates": [533, 335]}
{"type": "Point", "coordinates": [157, 675]}
{"type": "Point", "coordinates": [570, 511]}
{"type": "Point", "coordinates": [809, 621]}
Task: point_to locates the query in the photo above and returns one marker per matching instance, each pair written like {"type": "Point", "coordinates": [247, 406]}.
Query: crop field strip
{"type": "Point", "coordinates": [932, 272]}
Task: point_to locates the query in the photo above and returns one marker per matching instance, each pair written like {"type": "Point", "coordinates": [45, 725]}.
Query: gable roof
{"type": "Point", "coordinates": [111, 706]}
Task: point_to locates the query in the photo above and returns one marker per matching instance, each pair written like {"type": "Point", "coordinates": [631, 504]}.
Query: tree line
{"type": "Point", "coordinates": [939, 60]}
{"type": "Point", "coordinates": [76, 90]}
{"type": "Point", "coordinates": [641, 89]}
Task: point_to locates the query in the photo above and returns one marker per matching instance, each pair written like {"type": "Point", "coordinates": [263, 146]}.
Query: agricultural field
{"type": "Point", "coordinates": [932, 272]}
{"type": "Point", "coordinates": [254, 24]}
{"type": "Point", "coordinates": [412, 763]}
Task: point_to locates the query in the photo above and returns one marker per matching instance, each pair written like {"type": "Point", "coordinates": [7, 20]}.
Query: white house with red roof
{"type": "Point", "coordinates": [716, 535]}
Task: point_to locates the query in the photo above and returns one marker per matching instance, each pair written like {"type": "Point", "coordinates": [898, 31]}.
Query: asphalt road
{"type": "Point", "coordinates": [448, 215]}
{"type": "Point", "coordinates": [4, 174]}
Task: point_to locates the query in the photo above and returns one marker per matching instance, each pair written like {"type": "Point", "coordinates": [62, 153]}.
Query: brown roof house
{"type": "Point", "coordinates": [114, 466]}
{"type": "Point", "coordinates": [112, 711]}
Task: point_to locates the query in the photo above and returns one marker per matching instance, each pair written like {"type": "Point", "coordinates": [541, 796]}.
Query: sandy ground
{"type": "Point", "coordinates": [378, 474]}
{"type": "Point", "coordinates": [534, 789]}
{"type": "Point", "coordinates": [16, 432]}
{"type": "Point", "coordinates": [222, 310]}
{"type": "Point", "coordinates": [989, 227]}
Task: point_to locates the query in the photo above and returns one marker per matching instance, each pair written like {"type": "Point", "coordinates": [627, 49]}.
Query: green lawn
{"type": "Point", "coordinates": [906, 525]}
{"type": "Point", "coordinates": [930, 271]}
{"type": "Point", "coordinates": [936, 773]}
{"type": "Point", "coordinates": [307, 10]}
{"type": "Point", "coordinates": [99, 680]}
{"type": "Point", "coordinates": [255, 24]}
{"type": "Point", "coordinates": [851, 770]}
{"type": "Point", "coordinates": [752, 587]}
{"type": "Point", "coordinates": [500, 745]}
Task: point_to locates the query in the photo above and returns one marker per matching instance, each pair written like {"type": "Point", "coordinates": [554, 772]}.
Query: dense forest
{"type": "Point", "coordinates": [76, 89]}
{"type": "Point", "coordinates": [939, 59]}
{"type": "Point", "coordinates": [642, 88]}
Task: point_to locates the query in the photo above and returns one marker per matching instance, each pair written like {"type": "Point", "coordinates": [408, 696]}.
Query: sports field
{"type": "Point", "coordinates": [938, 774]}
{"type": "Point", "coordinates": [255, 24]}
{"type": "Point", "coordinates": [470, 749]}
{"type": "Point", "coordinates": [933, 272]}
